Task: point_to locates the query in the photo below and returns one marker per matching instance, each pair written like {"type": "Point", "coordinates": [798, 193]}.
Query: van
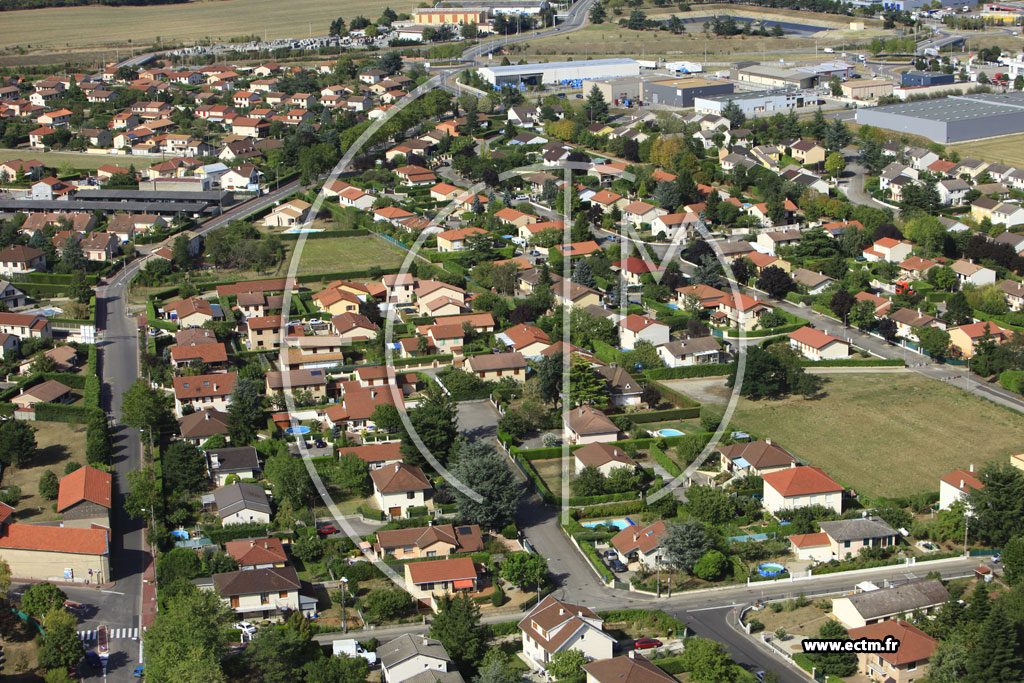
{"type": "Point", "coordinates": [829, 51]}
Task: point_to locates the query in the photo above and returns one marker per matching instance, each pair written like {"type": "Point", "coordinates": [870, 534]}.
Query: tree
{"type": "Point", "coordinates": [582, 275]}
{"type": "Point", "coordinates": [352, 475]}
{"type": "Point", "coordinates": [278, 652]}
{"type": "Point", "coordinates": [597, 13]}
{"type": "Point", "coordinates": [184, 468]}
{"type": "Point", "coordinates": [927, 231]}
{"type": "Point", "coordinates": [290, 479]}
{"type": "Point", "coordinates": [98, 441]}
{"type": "Point", "coordinates": [839, 664]}
{"type": "Point", "coordinates": [457, 626]}
{"type": "Point", "coordinates": [144, 407]}
{"type": "Point", "coordinates": [524, 570]}
{"type": "Point", "coordinates": [835, 86]}
{"type": "Point", "coordinates": [958, 309]}
{"type": "Point", "coordinates": [706, 660]}
{"type": "Point", "coordinates": [62, 648]}
{"type": "Point", "coordinates": [1013, 561]}
{"type": "Point", "coordinates": [566, 665]}
{"type": "Point", "coordinates": [188, 638]}
{"type": "Point", "coordinates": [40, 598]}
{"type": "Point", "coordinates": [735, 115]}
{"type": "Point", "coordinates": [711, 565]}
{"type": "Point", "coordinates": [887, 328]}
{"type": "Point", "coordinates": [841, 303]}
{"type": "Point", "coordinates": [178, 563]}
{"type": "Point", "coordinates": [775, 281]}
{"type": "Point", "coordinates": [998, 507]}
{"type": "Point", "coordinates": [386, 417]}
{"type": "Point", "coordinates": [495, 667]}
{"type": "Point", "coordinates": [934, 341]}
{"type": "Point", "coordinates": [668, 195]}
{"type": "Point", "coordinates": [595, 107]}
{"type": "Point", "coordinates": [142, 493]}
{"type": "Point", "coordinates": [994, 656]}
{"type": "Point", "coordinates": [386, 604]}
{"type": "Point", "coordinates": [17, 443]}
{"type": "Point", "coordinates": [835, 164]}
{"type": "Point", "coordinates": [5, 579]}
{"type": "Point", "coordinates": [336, 669]}
{"type": "Point", "coordinates": [685, 543]}
{"type": "Point", "coordinates": [948, 664]}
{"type": "Point", "coordinates": [589, 481]}
{"type": "Point", "coordinates": [482, 470]}
{"type": "Point", "coordinates": [764, 377]}
{"type": "Point", "coordinates": [710, 504]}
{"type": "Point", "coordinates": [48, 485]}
{"type": "Point", "coordinates": [245, 412]}
{"type": "Point", "coordinates": [943, 277]}
{"type": "Point", "coordinates": [435, 421]}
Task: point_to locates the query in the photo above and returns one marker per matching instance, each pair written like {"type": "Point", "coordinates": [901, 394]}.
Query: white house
{"type": "Point", "coordinates": [409, 656]}
{"type": "Point", "coordinates": [969, 272]}
{"type": "Point", "coordinates": [604, 457]}
{"type": "Point", "coordinates": [554, 626]}
{"type": "Point", "coordinates": [635, 328]}
{"type": "Point", "coordinates": [587, 424]}
{"type": "Point", "coordinates": [640, 544]}
{"type": "Point", "coordinates": [956, 486]}
{"type": "Point", "coordinates": [400, 487]}
{"type": "Point", "coordinates": [690, 352]}
{"type": "Point", "coordinates": [816, 345]}
{"type": "Point", "coordinates": [799, 487]}
{"type": "Point", "coordinates": [242, 503]}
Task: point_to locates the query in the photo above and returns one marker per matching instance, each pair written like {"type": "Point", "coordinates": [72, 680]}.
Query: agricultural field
{"type": "Point", "coordinates": [1007, 149]}
{"type": "Point", "coordinates": [342, 253]}
{"type": "Point", "coordinates": [58, 443]}
{"type": "Point", "coordinates": [219, 20]}
{"type": "Point", "coordinates": [77, 160]}
{"type": "Point", "coordinates": [887, 434]}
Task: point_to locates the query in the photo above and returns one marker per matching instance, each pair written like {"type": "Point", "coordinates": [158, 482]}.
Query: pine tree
{"type": "Point", "coordinates": [457, 626]}
{"type": "Point", "coordinates": [582, 275]}
{"type": "Point", "coordinates": [595, 106]}
{"type": "Point", "coordinates": [994, 655]}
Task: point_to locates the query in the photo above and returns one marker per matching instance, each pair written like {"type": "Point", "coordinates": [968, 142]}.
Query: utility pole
{"type": "Point", "coordinates": [344, 624]}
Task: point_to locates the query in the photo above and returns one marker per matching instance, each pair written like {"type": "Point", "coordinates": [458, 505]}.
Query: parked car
{"type": "Point", "coordinates": [320, 443]}
{"type": "Point", "coordinates": [611, 554]}
{"type": "Point", "coordinates": [328, 529]}
{"type": "Point", "coordinates": [138, 671]}
{"type": "Point", "coordinates": [92, 658]}
{"type": "Point", "coordinates": [617, 566]}
{"type": "Point", "coordinates": [646, 643]}
{"type": "Point", "coordinates": [245, 627]}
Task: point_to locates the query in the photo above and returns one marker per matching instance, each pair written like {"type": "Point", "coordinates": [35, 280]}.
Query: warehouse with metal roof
{"type": "Point", "coordinates": [952, 119]}
{"type": "Point", "coordinates": [559, 73]}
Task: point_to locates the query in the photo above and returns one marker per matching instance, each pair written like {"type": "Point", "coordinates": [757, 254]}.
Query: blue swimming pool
{"type": "Point", "coordinates": [294, 431]}
{"type": "Point", "coordinates": [670, 432]}
{"type": "Point", "coordinates": [770, 569]}
{"type": "Point", "coordinates": [299, 231]}
{"type": "Point", "coordinates": [617, 523]}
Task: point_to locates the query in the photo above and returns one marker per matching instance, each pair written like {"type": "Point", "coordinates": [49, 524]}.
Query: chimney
{"type": "Point", "coordinates": [206, 414]}
{"type": "Point", "coordinates": [768, 441]}
{"type": "Point", "coordinates": [561, 611]}
{"type": "Point", "coordinates": [972, 467]}
{"type": "Point", "coordinates": [792, 465]}
{"type": "Point", "coordinates": [961, 484]}
{"type": "Point", "coordinates": [632, 654]}
{"type": "Point", "coordinates": [397, 465]}
{"type": "Point", "coordinates": [252, 543]}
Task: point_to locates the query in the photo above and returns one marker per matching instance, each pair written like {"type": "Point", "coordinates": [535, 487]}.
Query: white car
{"type": "Point", "coordinates": [245, 627]}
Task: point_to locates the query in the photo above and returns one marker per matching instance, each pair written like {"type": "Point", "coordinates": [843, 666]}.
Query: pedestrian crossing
{"type": "Point", "coordinates": [112, 634]}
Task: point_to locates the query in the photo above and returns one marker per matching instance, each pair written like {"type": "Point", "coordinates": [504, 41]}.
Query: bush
{"type": "Point", "coordinates": [498, 596]}
{"type": "Point", "coordinates": [510, 532]}
{"type": "Point", "coordinates": [662, 459]}
{"type": "Point", "coordinates": [48, 485]}
{"type": "Point", "coordinates": [755, 625]}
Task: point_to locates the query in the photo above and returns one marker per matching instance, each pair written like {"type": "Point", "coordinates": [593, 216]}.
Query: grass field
{"type": "Point", "coordinates": [1008, 149]}
{"type": "Point", "coordinates": [342, 253]}
{"type": "Point", "coordinates": [78, 160]}
{"type": "Point", "coordinates": [216, 19]}
{"type": "Point", "coordinates": [58, 443]}
{"type": "Point", "coordinates": [887, 435]}
{"type": "Point", "coordinates": [551, 472]}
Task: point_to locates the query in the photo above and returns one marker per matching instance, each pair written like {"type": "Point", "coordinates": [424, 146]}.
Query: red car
{"type": "Point", "coordinates": [646, 643]}
{"type": "Point", "coordinates": [328, 529]}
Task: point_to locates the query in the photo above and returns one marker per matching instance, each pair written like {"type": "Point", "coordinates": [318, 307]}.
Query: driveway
{"type": "Point", "coordinates": [478, 420]}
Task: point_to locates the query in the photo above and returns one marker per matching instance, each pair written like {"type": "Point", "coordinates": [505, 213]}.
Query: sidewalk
{"type": "Point", "coordinates": [149, 605]}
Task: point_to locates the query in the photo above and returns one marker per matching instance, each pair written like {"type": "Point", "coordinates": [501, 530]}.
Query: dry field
{"type": "Point", "coordinates": [78, 160]}
{"type": "Point", "coordinates": [1008, 149]}
{"type": "Point", "coordinates": [887, 435]}
{"type": "Point", "coordinates": [57, 443]}
{"type": "Point", "coordinates": [91, 26]}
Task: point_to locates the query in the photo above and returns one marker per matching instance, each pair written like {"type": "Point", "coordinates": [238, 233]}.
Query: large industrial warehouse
{"type": "Point", "coordinates": [680, 92]}
{"type": "Point", "coordinates": [952, 119]}
{"type": "Point", "coordinates": [558, 73]}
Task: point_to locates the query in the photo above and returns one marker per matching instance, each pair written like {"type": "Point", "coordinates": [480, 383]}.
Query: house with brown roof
{"type": "Point", "coordinates": [64, 357]}
{"type": "Point", "coordinates": [212, 356]}
{"type": "Point", "coordinates": [18, 258]}
{"type": "Point", "coordinates": [909, 662]}
{"type": "Point", "coordinates": [84, 498]}
{"type": "Point", "coordinates": [848, 537]}
{"type": "Point", "coordinates": [798, 487]}
{"type": "Point", "coordinates": [755, 457]}
{"type": "Point", "coordinates": [242, 503]}
{"type": "Point", "coordinates": [416, 659]}
{"type": "Point", "coordinates": [816, 345]}
{"type": "Point", "coordinates": [428, 541]}
{"type": "Point", "coordinates": [288, 214]}
{"type": "Point", "coordinates": [555, 626]}
{"type": "Point", "coordinates": [640, 545]}
{"type": "Point", "coordinates": [740, 310]}
{"type": "Point", "coordinates": [493, 367]}
{"type": "Point", "coordinates": [204, 391]}
{"type": "Point", "coordinates": [54, 553]}
{"type": "Point", "coordinates": [587, 424]}
{"type": "Point", "coordinates": [257, 553]}
{"type": "Point", "coordinates": [907, 319]}
{"type": "Point", "coordinates": [623, 389]}
{"type": "Point", "coordinates": [257, 594]}
{"type": "Point", "coordinates": [433, 579]}
{"type": "Point", "coordinates": [400, 487]}
{"type": "Point", "coordinates": [50, 391]}
{"type": "Point", "coordinates": [199, 426]}
{"type": "Point", "coordinates": [191, 312]}
{"type": "Point", "coordinates": [964, 339]}
{"type": "Point", "coordinates": [628, 668]}
{"type": "Point", "coordinates": [635, 328]}
{"type": "Point", "coordinates": [603, 457]}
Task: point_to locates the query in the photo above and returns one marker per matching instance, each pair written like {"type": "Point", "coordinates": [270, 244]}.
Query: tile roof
{"type": "Point", "coordinates": [374, 452]}
{"type": "Point", "coordinates": [57, 539]}
{"type": "Point", "coordinates": [252, 581]}
{"type": "Point", "coordinates": [899, 599]}
{"type": "Point", "coordinates": [551, 613]}
{"type": "Point", "coordinates": [963, 480]}
{"type": "Point", "coordinates": [597, 454]}
{"type": "Point", "coordinates": [859, 528]}
{"type": "Point", "coordinates": [464, 539]}
{"type": "Point", "coordinates": [801, 481]}
{"type": "Point", "coordinates": [813, 337]}
{"type": "Point", "coordinates": [626, 669]}
{"type": "Point", "coordinates": [915, 644]}
{"type": "Point", "coordinates": [47, 391]}
{"type": "Point", "coordinates": [588, 420]}
{"type": "Point", "coordinates": [809, 540]}
{"type": "Point", "coordinates": [400, 477]}
{"type": "Point", "coordinates": [85, 483]}
{"type": "Point", "coordinates": [759, 454]}
{"type": "Point", "coordinates": [635, 538]}
{"type": "Point", "coordinates": [435, 571]}
{"type": "Point", "coordinates": [491, 362]}
{"type": "Point", "coordinates": [407, 646]}
{"type": "Point", "coordinates": [201, 386]}
{"type": "Point", "coordinates": [203, 423]}
{"type": "Point", "coordinates": [253, 551]}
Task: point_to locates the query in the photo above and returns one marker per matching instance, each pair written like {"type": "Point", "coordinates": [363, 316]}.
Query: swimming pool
{"type": "Point", "coordinates": [301, 429]}
{"type": "Point", "coordinates": [617, 523]}
{"type": "Point", "coordinates": [670, 432]}
{"type": "Point", "coordinates": [300, 231]}
{"type": "Point", "coordinates": [770, 569]}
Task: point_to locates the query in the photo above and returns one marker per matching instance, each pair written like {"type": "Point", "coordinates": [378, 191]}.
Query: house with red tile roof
{"type": "Point", "coordinates": [603, 457]}
{"type": "Point", "coordinates": [963, 339]}
{"type": "Point", "coordinates": [54, 553]}
{"type": "Point", "coordinates": [587, 424]}
{"type": "Point", "coordinates": [739, 310]}
{"type": "Point", "coordinates": [428, 581]}
{"type": "Point", "coordinates": [399, 487]}
{"type": "Point", "coordinates": [204, 391]}
{"type": "Point", "coordinates": [634, 267]}
{"type": "Point", "coordinates": [957, 486]}
{"type": "Point", "coordinates": [375, 455]}
{"type": "Point", "coordinates": [428, 541]}
{"type": "Point", "coordinates": [888, 249]}
{"type": "Point", "coordinates": [801, 486]}
{"type": "Point", "coordinates": [84, 498]}
{"type": "Point", "coordinates": [908, 662]}
{"type": "Point", "coordinates": [628, 668]}
{"type": "Point", "coordinates": [641, 545]}
{"type": "Point", "coordinates": [635, 328]}
{"type": "Point", "coordinates": [555, 626]}
{"type": "Point", "coordinates": [257, 553]}
{"type": "Point", "coordinates": [816, 345]}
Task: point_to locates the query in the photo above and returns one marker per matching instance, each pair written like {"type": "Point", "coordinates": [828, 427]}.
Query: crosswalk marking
{"type": "Point", "coordinates": [112, 634]}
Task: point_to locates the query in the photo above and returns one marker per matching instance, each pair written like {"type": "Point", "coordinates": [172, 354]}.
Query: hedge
{"type": "Point", "coordinates": [854, 363]}
{"type": "Point", "coordinates": [662, 459]}
{"type": "Point", "coordinates": [417, 511]}
{"type": "Point", "coordinates": [72, 381]}
{"type": "Point", "coordinates": [542, 489]}
{"type": "Point", "coordinates": [327, 234]}
{"type": "Point", "coordinates": [671, 665]}
{"type": "Point", "coordinates": [687, 371]}
{"type": "Point", "coordinates": [504, 628]}
{"type": "Point", "coordinates": [58, 412]}
{"type": "Point", "coordinates": [591, 554]}
{"type": "Point", "coordinates": [1012, 380]}
{"type": "Point", "coordinates": [606, 352]}
{"type": "Point", "coordinates": [662, 415]}
{"type": "Point", "coordinates": [371, 513]}
{"type": "Point", "coordinates": [234, 532]}
{"type": "Point", "coordinates": [611, 510]}
{"type": "Point", "coordinates": [580, 501]}
{"type": "Point", "coordinates": [658, 621]}
{"type": "Point", "coordinates": [688, 407]}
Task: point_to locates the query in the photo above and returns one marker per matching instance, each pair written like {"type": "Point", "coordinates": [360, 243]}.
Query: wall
{"type": "Point", "coordinates": [32, 564]}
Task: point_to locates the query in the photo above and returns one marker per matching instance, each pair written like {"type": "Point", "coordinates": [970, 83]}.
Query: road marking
{"type": "Point", "coordinates": [710, 609]}
{"type": "Point", "coordinates": [112, 592]}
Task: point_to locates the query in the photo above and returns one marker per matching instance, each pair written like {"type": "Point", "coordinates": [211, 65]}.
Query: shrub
{"type": "Point", "coordinates": [498, 596]}
{"type": "Point", "coordinates": [755, 625]}
{"type": "Point", "coordinates": [510, 532]}
{"type": "Point", "coordinates": [48, 485]}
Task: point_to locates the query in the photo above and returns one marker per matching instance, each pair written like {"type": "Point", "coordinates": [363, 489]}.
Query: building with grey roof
{"type": "Point", "coordinates": [772, 76]}
{"type": "Point", "coordinates": [416, 657]}
{"type": "Point", "coordinates": [861, 528]}
{"type": "Point", "coordinates": [751, 103]}
{"type": "Point", "coordinates": [952, 119]}
{"type": "Point", "coordinates": [865, 608]}
{"type": "Point", "coordinates": [242, 503]}
{"type": "Point", "coordinates": [555, 73]}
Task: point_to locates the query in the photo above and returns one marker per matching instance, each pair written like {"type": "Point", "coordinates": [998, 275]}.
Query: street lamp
{"type": "Point", "coordinates": [344, 624]}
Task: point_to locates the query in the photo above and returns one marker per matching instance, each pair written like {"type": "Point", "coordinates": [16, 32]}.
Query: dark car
{"type": "Point", "coordinates": [92, 658]}
{"type": "Point", "coordinates": [320, 443]}
{"type": "Point", "coordinates": [617, 566]}
{"type": "Point", "coordinates": [646, 643]}
{"type": "Point", "coordinates": [328, 529]}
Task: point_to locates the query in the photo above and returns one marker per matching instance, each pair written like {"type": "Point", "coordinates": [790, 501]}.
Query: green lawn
{"type": "Point", "coordinates": [343, 253]}
{"type": "Point", "coordinates": [76, 159]}
{"type": "Point", "coordinates": [887, 435]}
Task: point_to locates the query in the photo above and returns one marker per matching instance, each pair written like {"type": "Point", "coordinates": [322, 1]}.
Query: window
{"type": "Point", "coordinates": [431, 553]}
{"type": "Point", "coordinates": [411, 495]}
{"type": "Point", "coordinates": [264, 598]}
{"type": "Point", "coordinates": [283, 595]}
{"type": "Point", "coordinates": [846, 544]}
